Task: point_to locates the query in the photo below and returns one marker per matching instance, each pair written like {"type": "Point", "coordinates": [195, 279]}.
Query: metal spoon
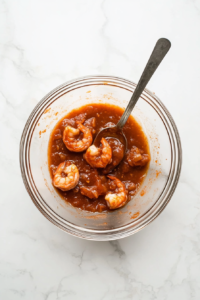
{"type": "Point", "coordinates": [160, 50]}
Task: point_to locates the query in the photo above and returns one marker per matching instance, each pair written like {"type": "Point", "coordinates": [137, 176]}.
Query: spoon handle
{"type": "Point", "coordinates": [160, 50]}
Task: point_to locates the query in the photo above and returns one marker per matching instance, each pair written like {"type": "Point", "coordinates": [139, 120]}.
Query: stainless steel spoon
{"type": "Point", "coordinates": [160, 50]}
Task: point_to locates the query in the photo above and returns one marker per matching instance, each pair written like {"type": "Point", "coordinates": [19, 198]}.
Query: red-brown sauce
{"type": "Point", "coordinates": [94, 182]}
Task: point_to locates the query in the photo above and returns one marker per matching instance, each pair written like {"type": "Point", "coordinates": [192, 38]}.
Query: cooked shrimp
{"type": "Point", "coordinates": [136, 158]}
{"type": "Point", "coordinates": [72, 176]}
{"type": "Point", "coordinates": [119, 198]}
{"type": "Point", "coordinates": [70, 140]}
{"type": "Point", "coordinates": [99, 157]}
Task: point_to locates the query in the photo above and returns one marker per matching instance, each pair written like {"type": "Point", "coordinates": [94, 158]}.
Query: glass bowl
{"type": "Point", "coordinates": [158, 186]}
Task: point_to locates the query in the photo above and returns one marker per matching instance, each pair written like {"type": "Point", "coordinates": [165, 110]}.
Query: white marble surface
{"type": "Point", "coordinates": [45, 43]}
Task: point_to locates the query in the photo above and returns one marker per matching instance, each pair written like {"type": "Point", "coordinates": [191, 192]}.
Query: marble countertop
{"type": "Point", "coordinates": [45, 43]}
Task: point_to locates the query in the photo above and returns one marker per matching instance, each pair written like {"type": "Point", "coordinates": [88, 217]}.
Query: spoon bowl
{"type": "Point", "coordinates": [113, 132]}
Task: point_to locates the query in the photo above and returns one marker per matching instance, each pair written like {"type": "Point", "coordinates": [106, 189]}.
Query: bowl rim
{"type": "Point", "coordinates": [24, 151]}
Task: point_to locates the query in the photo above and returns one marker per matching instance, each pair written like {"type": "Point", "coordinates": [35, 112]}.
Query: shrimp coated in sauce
{"type": "Point", "coordinates": [99, 157]}
{"type": "Point", "coordinates": [70, 180]}
{"type": "Point", "coordinates": [119, 197]}
{"type": "Point", "coordinates": [136, 158]}
{"type": "Point", "coordinates": [70, 137]}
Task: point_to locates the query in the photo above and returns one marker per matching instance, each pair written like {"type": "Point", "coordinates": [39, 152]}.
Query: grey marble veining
{"type": "Point", "coordinates": [45, 43]}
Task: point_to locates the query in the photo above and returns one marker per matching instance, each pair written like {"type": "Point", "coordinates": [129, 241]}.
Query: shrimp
{"type": "Point", "coordinates": [72, 176]}
{"type": "Point", "coordinates": [119, 198]}
{"type": "Point", "coordinates": [99, 157]}
{"type": "Point", "coordinates": [74, 144]}
{"type": "Point", "coordinates": [136, 158]}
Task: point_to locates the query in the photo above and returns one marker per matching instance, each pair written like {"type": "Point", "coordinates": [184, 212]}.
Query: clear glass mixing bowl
{"type": "Point", "coordinates": [158, 186]}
